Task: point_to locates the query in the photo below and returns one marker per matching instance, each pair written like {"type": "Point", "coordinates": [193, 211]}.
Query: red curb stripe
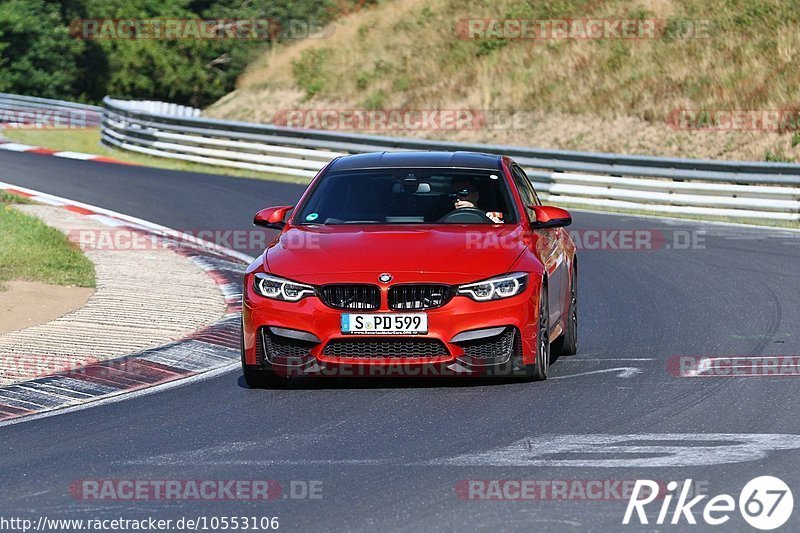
{"type": "Point", "coordinates": [228, 340]}
{"type": "Point", "coordinates": [101, 159]}
{"type": "Point", "coordinates": [105, 375]}
{"type": "Point", "coordinates": [163, 367]}
{"type": "Point", "coordinates": [150, 373]}
{"type": "Point", "coordinates": [40, 150]}
{"type": "Point", "coordinates": [125, 374]}
{"type": "Point", "coordinates": [79, 210]}
{"type": "Point", "coordinates": [89, 157]}
{"type": "Point", "coordinates": [133, 385]}
{"type": "Point", "coordinates": [15, 192]}
{"type": "Point", "coordinates": [218, 277]}
{"type": "Point", "coordinates": [9, 411]}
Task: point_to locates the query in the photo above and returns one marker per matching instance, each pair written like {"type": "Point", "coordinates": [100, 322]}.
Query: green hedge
{"type": "Point", "coordinates": [39, 56]}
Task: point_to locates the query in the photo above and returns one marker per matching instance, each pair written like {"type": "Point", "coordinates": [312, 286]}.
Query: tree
{"type": "Point", "coordinates": [38, 57]}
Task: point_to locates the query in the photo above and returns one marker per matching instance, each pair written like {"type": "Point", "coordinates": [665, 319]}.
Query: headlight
{"type": "Point", "coordinates": [503, 286]}
{"type": "Point", "coordinates": [281, 289]}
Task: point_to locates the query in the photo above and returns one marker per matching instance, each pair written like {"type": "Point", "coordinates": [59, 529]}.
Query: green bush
{"type": "Point", "coordinates": [37, 54]}
{"type": "Point", "coordinates": [776, 157]}
{"type": "Point", "coordinates": [39, 57]}
{"type": "Point", "coordinates": [308, 70]}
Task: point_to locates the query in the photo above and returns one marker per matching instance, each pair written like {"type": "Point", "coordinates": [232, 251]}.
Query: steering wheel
{"type": "Point", "coordinates": [466, 215]}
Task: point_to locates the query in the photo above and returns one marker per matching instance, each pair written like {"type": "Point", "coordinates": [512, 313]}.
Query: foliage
{"type": "Point", "coordinates": [40, 57]}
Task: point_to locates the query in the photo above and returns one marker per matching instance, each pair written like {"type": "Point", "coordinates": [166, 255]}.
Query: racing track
{"type": "Point", "coordinates": [390, 452]}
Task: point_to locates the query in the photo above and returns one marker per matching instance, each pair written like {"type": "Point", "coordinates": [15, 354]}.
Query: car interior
{"type": "Point", "coordinates": [405, 197]}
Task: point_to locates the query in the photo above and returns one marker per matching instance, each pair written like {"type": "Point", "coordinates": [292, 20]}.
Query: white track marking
{"type": "Point", "coordinates": [16, 147]}
{"type": "Point", "coordinates": [647, 450]}
{"type": "Point", "coordinates": [106, 220]}
{"type": "Point", "coordinates": [48, 201]}
{"type": "Point", "coordinates": [660, 450]}
{"type": "Point", "coordinates": [624, 372]}
{"type": "Point", "coordinates": [75, 155]}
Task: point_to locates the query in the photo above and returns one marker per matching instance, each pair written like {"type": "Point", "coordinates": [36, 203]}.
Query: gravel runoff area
{"type": "Point", "coordinates": [144, 298]}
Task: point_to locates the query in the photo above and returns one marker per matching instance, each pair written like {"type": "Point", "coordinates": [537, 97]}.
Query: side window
{"type": "Point", "coordinates": [533, 191]}
{"type": "Point", "coordinates": [525, 189]}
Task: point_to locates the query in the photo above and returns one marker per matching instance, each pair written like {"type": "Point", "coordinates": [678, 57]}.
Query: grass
{"type": "Point", "coordinates": [416, 54]}
{"type": "Point", "coordinates": [87, 141]}
{"type": "Point", "coordinates": [8, 199]}
{"type": "Point", "coordinates": [748, 58]}
{"type": "Point", "coordinates": [33, 251]}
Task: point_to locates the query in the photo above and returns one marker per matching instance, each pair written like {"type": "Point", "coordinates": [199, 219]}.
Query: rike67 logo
{"type": "Point", "coordinates": [765, 503]}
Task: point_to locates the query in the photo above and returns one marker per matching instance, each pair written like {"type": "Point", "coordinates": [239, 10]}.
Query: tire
{"type": "Point", "coordinates": [539, 369]}
{"type": "Point", "coordinates": [567, 343]}
{"type": "Point", "coordinates": [258, 378]}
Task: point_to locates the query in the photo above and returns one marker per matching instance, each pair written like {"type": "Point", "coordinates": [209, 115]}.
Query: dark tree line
{"type": "Point", "coordinates": [44, 52]}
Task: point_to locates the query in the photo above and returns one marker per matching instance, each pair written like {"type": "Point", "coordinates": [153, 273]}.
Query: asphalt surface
{"type": "Point", "coordinates": [390, 453]}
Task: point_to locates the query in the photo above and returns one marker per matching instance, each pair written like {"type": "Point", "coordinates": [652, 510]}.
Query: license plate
{"type": "Point", "coordinates": [385, 324]}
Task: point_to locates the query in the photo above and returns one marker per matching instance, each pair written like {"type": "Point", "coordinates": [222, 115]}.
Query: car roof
{"type": "Point", "coordinates": [431, 159]}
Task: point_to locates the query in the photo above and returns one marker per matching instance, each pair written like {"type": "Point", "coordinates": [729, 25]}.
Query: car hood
{"type": "Point", "coordinates": [325, 254]}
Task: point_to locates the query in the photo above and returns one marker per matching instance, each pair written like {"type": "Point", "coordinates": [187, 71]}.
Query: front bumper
{"type": "Point", "coordinates": [464, 336]}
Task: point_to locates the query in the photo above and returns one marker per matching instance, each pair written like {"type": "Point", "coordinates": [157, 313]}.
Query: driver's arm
{"type": "Point", "coordinates": [495, 216]}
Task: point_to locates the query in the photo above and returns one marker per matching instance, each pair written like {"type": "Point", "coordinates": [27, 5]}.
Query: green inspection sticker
{"type": "Point", "coordinates": [312, 216]}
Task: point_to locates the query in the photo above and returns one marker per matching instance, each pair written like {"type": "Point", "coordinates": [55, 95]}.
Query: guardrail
{"type": "Point", "coordinates": [653, 184]}
{"type": "Point", "coordinates": [662, 185]}
{"type": "Point", "coordinates": [30, 112]}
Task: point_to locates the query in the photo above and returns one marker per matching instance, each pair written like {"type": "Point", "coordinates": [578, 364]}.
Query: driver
{"type": "Point", "coordinates": [467, 196]}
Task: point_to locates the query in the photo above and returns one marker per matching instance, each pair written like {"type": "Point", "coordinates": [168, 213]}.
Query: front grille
{"type": "Point", "coordinates": [385, 349]}
{"type": "Point", "coordinates": [271, 347]}
{"type": "Point", "coordinates": [498, 348]}
{"type": "Point", "coordinates": [364, 297]}
{"type": "Point", "coordinates": [422, 296]}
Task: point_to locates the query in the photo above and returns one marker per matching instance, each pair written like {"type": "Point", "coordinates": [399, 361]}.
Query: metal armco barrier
{"type": "Point", "coordinates": [32, 113]}
{"type": "Point", "coordinates": [653, 184]}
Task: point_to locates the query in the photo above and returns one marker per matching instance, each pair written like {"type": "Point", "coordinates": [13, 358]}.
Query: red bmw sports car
{"type": "Point", "coordinates": [412, 260]}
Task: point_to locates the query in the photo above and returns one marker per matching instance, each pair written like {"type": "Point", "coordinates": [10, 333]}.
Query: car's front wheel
{"type": "Point", "coordinates": [539, 369]}
{"type": "Point", "coordinates": [259, 378]}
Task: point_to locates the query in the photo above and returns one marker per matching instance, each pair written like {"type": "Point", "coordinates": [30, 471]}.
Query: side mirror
{"type": "Point", "coordinates": [550, 217]}
{"type": "Point", "coordinates": [272, 217]}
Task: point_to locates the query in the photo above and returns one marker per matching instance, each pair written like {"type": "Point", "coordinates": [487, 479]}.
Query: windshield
{"type": "Point", "coordinates": [409, 196]}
